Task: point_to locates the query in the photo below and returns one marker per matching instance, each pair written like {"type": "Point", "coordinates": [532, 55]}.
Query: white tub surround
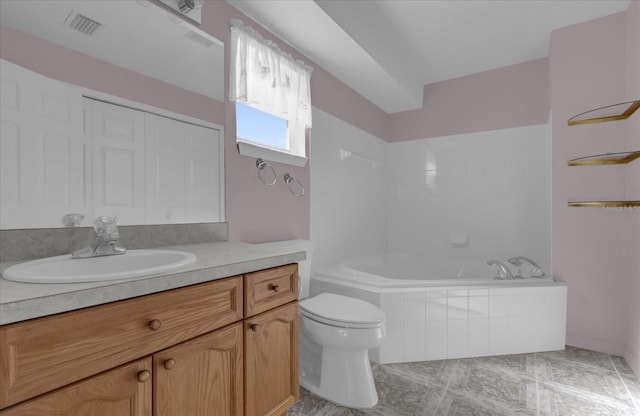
{"type": "Point", "coordinates": [22, 301]}
{"type": "Point", "coordinates": [472, 197]}
{"type": "Point", "coordinates": [447, 316]}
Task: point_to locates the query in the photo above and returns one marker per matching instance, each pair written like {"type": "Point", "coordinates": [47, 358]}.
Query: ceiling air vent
{"type": "Point", "coordinates": [84, 25]}
{"type": "Point", "coordinates": [199, 39]}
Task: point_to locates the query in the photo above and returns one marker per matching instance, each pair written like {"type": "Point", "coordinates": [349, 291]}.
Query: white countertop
{"type": "Point", "coordinates": [22, 301]}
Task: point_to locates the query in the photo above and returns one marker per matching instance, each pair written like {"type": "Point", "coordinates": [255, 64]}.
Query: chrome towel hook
{"type": "Point", "coordinates": [299, 192]}
{"type": "Point", "coordinates": [261, 165]}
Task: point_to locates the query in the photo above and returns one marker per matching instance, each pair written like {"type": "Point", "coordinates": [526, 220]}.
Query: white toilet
{"type": "Point", "coordinates": [336, 334]}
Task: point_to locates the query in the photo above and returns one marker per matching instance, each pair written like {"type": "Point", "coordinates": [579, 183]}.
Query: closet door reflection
{"type": "Point", "coordinates": [41, 150]}
{"type": "Point", "coordinates": [117, 137]}
{"type": "Point", "coordinates": [183, 185]}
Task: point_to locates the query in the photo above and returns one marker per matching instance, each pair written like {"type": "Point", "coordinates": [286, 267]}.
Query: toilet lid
{"type": "Point", "coordinates": [342, 311]}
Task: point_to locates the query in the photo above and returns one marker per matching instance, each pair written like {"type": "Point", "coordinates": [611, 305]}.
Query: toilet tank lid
{"type": "Point", "coordinates": [340, 308]}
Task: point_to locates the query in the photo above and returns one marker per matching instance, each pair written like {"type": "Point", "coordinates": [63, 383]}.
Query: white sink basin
{"type": "Point", "coordinates": [64, 269]}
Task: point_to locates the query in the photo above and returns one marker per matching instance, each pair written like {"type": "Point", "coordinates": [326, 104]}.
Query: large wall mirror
{"type": "Point", "coordinates": [134, 159]}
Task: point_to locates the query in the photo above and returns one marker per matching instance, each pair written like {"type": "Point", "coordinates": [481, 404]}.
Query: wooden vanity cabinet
{"type": "Point", "coordinates": [271, 361]}
{"type": "Point", "coordinates": [40, 355]}
{"type": "Point", "coordinates": [271, 341]}
{"type": "Point", "coordinates": [182, 352]}
{"type": "Point", "coordinates": [202, 376]}
{"type": "Point", "coordinates": [123, 391]}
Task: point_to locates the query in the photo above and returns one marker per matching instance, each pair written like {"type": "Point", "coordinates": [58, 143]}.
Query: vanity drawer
{"type": "Point", "coordinates": [43, 354]}
{"type": "Point", "coordinates": [270, 288]}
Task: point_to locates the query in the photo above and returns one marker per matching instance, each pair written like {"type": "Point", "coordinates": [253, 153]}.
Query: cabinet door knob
{"type": "Point", "coordinates": [143, 376]}
{"type": "Point", "coordinates": [169, 364]}
{"type": "Point", "coordinates": [274, 287]}
{"type": "Point", "coordinates": [253, 327]}
{"type": "Point", "coordinates": [155, 324]}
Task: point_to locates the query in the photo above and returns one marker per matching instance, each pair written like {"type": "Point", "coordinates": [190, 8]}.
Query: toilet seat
{"type": "Point", "coordinates": [342, 311]}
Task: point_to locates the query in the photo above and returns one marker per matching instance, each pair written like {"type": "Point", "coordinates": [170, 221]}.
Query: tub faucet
{"type": "Point", "coordinates": [105, 238]}
{"type": "Point", "coordinates": [503, 271]}
{"type": "Point", "coordinates": [537, 270]}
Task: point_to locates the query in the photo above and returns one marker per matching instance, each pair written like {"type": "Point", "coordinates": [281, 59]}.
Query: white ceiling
{"type": "Point", "coordinates": [135, 34]}
{"type": "Point", "coordinates": [387, 50]}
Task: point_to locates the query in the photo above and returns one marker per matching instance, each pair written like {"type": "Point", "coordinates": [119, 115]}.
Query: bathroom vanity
{"type": "Point", "coordinates": [218, 343]}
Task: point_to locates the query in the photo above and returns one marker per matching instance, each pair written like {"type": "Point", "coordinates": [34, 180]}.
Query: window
{"type": "Point", "coordinates": [258, 127]}
{"type": "Point", "coordinates": [272, 95]}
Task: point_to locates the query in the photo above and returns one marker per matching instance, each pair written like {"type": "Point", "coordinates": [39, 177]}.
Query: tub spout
{"type": "Point", "coordinates": [503, 271]}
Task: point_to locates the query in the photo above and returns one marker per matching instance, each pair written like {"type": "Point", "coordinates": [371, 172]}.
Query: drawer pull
{"type": "Point", "coordinates": [273, 287]}
{"type": "Point", "coordinates": [155, 324]}
{"type": "Point", "coordinates": [169, 364]}
{"type": "Point", "coordinates": [253, 327]}
{"type": "Point", "coordinates": [143, 376]}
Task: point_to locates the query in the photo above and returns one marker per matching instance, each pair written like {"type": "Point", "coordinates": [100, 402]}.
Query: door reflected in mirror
{"type": "Point", "coordinates": [134, 53]}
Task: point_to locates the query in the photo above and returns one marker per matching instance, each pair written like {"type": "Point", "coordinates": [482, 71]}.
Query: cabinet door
{"type": "Point", "coordinates": [271, 361]}
{"type": "Point", "coordinates": [41, 150]}
{"type": "Point", "coordinates": [202, 376]}
{"type": "Point", "coordinates": [117, 135]}
{"type": "Point", "coordinates": [124, 391]}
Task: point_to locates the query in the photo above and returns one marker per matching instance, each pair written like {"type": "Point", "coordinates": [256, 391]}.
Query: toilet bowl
{"type": "Point", "coordinates": [336, 334]}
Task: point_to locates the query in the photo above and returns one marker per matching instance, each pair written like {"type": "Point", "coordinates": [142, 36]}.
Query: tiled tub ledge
{"type": "Point", "coordinates": [434, 322]}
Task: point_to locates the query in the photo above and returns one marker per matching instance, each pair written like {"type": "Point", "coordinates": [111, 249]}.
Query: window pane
{"type": "Point", "coordinates": [260, 127]}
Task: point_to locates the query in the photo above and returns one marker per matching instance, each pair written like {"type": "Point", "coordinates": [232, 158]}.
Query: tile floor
{"type": "Point", "coordinates": [560, 383]}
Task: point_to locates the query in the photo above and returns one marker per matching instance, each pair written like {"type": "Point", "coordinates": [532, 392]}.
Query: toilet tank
{"type": "Point", "coordinates": [304, 267]}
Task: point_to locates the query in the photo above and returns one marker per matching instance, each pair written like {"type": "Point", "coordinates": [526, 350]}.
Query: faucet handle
{"type": "Point", "coordinates": [104, 225]}
{"type": "Point", "coordinates": [516, 261]}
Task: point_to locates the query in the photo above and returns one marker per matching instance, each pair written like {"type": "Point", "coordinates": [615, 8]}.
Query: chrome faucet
{"type": "Point", "coordinates": [105, 238]}
{"type": "Point", "coordinates": [537, 270]}
{"type": "Point", "coordinates": [503, 271]}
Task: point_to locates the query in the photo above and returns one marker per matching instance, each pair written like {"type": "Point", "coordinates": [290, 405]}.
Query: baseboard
{"type": "Point", "coordinates": [595, 345]}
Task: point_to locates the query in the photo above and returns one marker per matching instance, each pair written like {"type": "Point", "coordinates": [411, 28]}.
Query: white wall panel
{"type": "Point", "coordinates": [348, 197]}
{"type": "Point", "coordinates": [469, 198]}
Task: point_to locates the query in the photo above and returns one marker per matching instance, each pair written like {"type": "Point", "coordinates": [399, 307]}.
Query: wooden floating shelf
{"type": "Point", "coordinates": [604, 204]}
{"type": "Point", "coordinates": [619, 158]}
{"type": "Point", "coordinates": [614, 112]}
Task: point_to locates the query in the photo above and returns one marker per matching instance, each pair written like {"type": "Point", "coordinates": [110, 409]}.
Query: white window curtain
{"type": "Point", "coordinates": [266, 78]}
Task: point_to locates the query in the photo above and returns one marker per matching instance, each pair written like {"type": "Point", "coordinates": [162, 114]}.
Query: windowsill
{"type": "Point", "coordinates": [254, 150]}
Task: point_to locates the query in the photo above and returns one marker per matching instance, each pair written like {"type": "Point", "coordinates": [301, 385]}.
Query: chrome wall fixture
{"type": "Point", "coordinates": [269, 179]}
{"type": "Point", "coordinates": [349, 154]}
{"type": "Point", "coordinates": [261, 165]}
{"type": "Point", "coordinates": [295, 186]}
{"type": "Point", "coordinates": [188, 8]}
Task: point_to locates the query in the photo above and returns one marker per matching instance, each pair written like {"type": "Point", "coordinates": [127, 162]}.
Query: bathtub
{"type": "Point", "coordinates": [438, 312]}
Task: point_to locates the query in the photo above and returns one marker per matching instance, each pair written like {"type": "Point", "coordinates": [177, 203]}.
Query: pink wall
{"type": "Point", "coordinates": [632, 352]}
{"type": "Point", "coordinates": [594, 251]}
{"type": "Point", "coordinates": [513, 96]}
{"type": "Point", "coordinates": [76, 68]}
{"type": "Point", "coordinates": [257, 213]}
{"type": "Point", "coordinates": [589, 245]}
